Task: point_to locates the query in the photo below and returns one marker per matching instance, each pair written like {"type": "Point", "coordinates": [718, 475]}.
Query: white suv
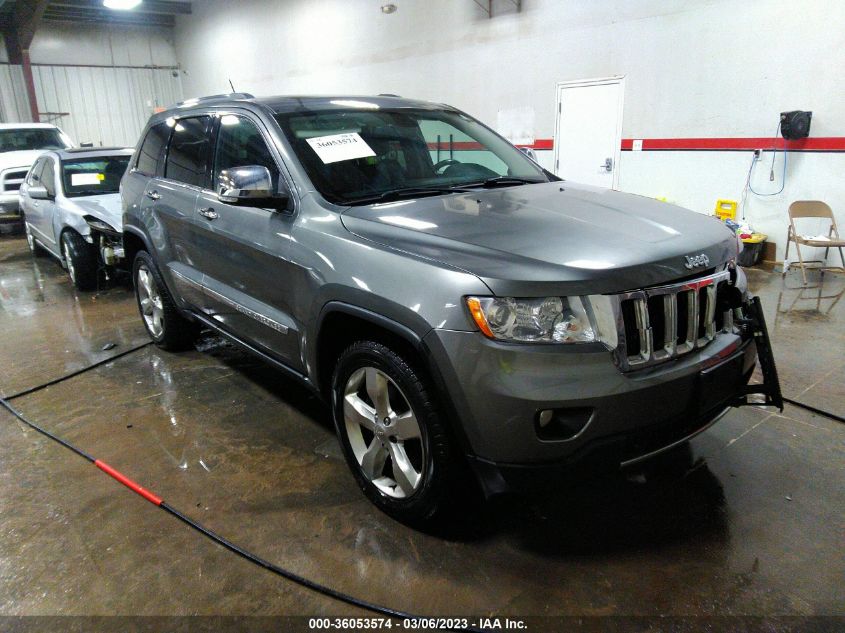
{"type": "Point", "coordinates": [20, 145]}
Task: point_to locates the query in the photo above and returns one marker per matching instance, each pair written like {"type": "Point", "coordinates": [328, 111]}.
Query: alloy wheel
{"type": "Point", "coordinates": [149, 298]}
{"type": "Point", "coordinates": [383, 432]}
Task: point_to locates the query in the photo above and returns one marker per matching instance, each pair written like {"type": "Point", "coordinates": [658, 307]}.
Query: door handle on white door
{"type": "Point", "coordinates": [608, 164]}
{"type": "Point", "coordinates": [153, 195]}
{"type": "Point", "coordinates": [208, 212]}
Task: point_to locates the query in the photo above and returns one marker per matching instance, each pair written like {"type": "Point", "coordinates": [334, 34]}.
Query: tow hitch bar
{"type": "Point", "coordinates": [754, 324]}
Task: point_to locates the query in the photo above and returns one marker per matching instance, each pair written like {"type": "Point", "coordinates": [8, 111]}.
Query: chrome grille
{"type": "Point", "coordinates": [12, 179]}
{"type": "Point", "coordinates": [664, 322]}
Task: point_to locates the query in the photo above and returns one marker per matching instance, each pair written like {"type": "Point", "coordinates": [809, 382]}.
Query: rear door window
{"type": "Point", "coordinates": [187, 154]}
{"type": "Point", "coordinates": [151, 149]}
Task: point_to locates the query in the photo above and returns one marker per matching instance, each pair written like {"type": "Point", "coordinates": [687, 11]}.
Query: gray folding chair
{"type": "Point", "coordinates": [812, 209]}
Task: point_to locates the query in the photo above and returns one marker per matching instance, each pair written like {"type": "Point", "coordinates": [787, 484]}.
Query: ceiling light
{"type": "Point", "coordinates": [388, 8]}
{"type": "Point", "coordinates": [121, 5]}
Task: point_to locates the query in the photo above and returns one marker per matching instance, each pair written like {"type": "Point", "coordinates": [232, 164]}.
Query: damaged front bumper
{"type": "Point", "coordinates": [631, 417]}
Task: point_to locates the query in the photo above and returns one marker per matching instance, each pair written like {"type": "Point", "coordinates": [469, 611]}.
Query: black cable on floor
{"type": "Point", "coordinates": [820, 412]}
{"type": "Point", "coordinates": [229, 545]}
{"type": "Point", "coordinates": [275, 569]}
{"type": "Point", "coordinates": [5, 403]}
{"type": "Point", "coordinates": [55, 381]}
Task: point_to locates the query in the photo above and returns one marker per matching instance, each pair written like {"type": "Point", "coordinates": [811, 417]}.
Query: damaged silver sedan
{"type": "Point", "coordinates": [70, 201]}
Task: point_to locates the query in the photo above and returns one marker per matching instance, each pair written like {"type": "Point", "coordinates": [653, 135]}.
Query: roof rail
{"type": "Point", "coordinates": [227, 95]}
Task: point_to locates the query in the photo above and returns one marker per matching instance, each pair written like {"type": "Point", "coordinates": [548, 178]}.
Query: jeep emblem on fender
{"type": "Point", "coordinates": [694, 261]}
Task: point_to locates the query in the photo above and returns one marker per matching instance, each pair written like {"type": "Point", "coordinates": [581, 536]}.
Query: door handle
{"type": "Point", "coordinates": [608, 164]}
{"type": "Point", "coordinates": [153, 195]}
{"type": "Point", "coordinates": [208, 212]}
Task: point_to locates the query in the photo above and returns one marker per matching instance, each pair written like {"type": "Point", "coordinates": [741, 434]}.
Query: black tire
{"type": "Point", "coordinates": [176, 332]}
{"type": "Point", "coordinates": [80, 259]}
{"type": "Point", "coordinates": [436, 486]}
{"type": "Point", "coordinates": [34, 249]}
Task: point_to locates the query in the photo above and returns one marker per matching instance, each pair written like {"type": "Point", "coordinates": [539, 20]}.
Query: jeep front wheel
{"type": "Point", "coordinates": [391, 432]}
{"type": "Point", "coordinates": [165, 325]}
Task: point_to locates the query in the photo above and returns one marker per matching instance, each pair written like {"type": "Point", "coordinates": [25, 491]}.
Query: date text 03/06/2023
{"type": "Point", "coordinates": [417, 624]}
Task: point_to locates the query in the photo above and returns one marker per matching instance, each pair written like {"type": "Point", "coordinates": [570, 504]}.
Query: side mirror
{"type": "Point", "coordinates": [529, 152]}
{"type": "Point", "coordinates": [38, 192]}
{"type": "Point", "coordinates": [250, 185]}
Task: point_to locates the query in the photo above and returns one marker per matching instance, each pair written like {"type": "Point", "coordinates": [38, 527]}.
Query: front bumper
{"type": "Point", "coordinates": [498, 390]}
{"type": "Point", "coordinates": [9, 209]}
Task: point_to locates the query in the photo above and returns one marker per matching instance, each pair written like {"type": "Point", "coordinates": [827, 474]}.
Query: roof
{"type": "Point", "coordinates": [304, 103]}
{"type": "Point", "coordinates": [19, 126]}
{"type": "Point", "coordinates": [280, 104]}
{"type": "Point", "coordinates": [92, 152]}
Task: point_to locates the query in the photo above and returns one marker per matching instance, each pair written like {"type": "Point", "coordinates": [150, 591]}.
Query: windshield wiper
{"type": "Point", "coordinates": [503, 181]}
{"type": "Point", "coordinates": [90, 192]}
{"type": "Point", "coordinates": [407, 192]}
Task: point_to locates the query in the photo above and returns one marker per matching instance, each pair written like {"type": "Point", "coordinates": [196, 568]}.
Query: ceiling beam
{"type": "Point", "coordinates": [26, 19]}
{"type": "Point", "coordinates": [167, 7]}
{"type": "Point", "coordinates": [89, 16]}
{"type": "Point", "coordinates": [18, 34]}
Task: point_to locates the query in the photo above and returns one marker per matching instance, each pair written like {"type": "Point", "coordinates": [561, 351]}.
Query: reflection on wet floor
{"type": "Point", "coordinates": [745, 520]}
{"type": "Point", "coordinates": [48, 328]}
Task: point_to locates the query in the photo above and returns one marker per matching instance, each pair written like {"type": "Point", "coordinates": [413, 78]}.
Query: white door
{"type": "Point", "coordinates": [588, 133]}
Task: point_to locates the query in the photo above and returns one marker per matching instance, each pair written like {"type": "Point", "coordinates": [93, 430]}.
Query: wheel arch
{"type": "Point", "coordinates": [65, 229]}
{"type": "Point", "coordinates": [341, 324]}
{"type": "Point", "coordinates": [134, 241]}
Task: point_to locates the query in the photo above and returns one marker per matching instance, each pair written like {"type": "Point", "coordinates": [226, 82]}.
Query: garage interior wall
{"type": "Point", "coordinates": [108, 80]}
{"type": "Point", "coordinates": [702, 69]}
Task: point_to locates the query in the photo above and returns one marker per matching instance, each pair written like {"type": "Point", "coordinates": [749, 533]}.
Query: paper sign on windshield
{"type": "Point", "coordinates": [338, 147]}
{"type": "Point", "coordinates": [86, 179]}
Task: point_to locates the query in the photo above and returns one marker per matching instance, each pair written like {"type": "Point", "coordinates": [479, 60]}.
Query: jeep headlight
{"type": "Point", "coordinates": [545, 320]}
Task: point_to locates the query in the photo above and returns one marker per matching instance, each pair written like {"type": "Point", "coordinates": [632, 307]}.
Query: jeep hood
{"type": "Point", "coordinates": [553, 238]}
{"type": "Point", "coordinates": [106, 207]}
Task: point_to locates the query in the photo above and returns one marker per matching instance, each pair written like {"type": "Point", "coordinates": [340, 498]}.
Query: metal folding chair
{"type": "Point", "coordinates": [812, 209]}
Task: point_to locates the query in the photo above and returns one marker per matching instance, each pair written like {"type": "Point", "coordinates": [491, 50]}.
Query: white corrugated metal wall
{"type": "Point", "coordinates": [104, 105]}
{"type": "Point", "coordinates": [13, 102]}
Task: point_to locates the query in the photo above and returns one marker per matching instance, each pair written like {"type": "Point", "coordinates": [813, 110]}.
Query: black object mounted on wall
{"type": "Point", "coordinates": [795, 124]}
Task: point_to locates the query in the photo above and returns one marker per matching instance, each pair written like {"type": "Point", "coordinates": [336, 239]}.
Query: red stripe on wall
{"type": "Point", "coordinates": [817, 144]}
{"type": "Point", "coordinates": [540, 143]}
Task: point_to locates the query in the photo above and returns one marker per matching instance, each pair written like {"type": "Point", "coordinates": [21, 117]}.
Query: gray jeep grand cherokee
{"type": "Point", "coordinates": [454, 302]}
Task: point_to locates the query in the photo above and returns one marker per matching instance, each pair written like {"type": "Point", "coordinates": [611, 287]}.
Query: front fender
{"type": "Point", "coordinates": [65, 219]}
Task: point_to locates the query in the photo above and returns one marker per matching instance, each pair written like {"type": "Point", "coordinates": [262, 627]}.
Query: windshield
{"type": "Point", "coordinates": [93, 176]}
{"type": "Point", "coordinates": [363, 156]}
{"type": "Point", "coordinates": [15, 140]}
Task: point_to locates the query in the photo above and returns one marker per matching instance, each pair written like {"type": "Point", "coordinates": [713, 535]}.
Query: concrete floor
{"type": "Point", "coordinates": [748, 521]}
